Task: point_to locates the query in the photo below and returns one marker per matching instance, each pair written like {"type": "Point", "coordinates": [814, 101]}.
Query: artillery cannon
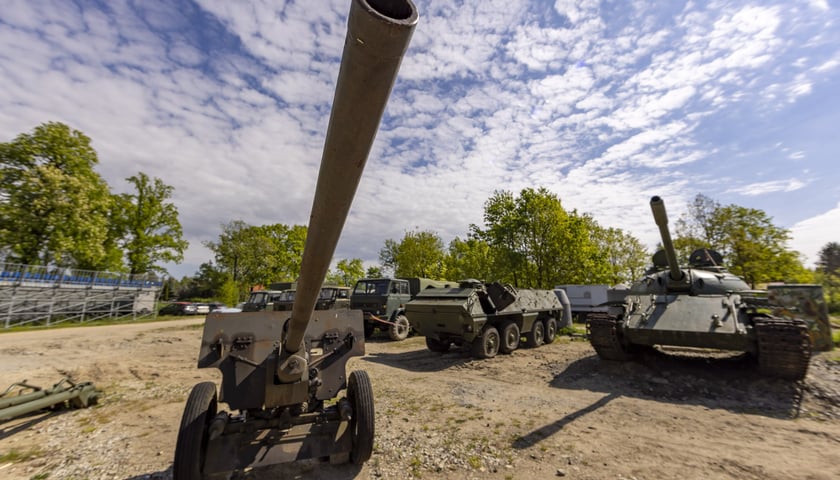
{"type": "Point", "coordinates": [279, 369]}
{"type": "Point", "coordinates": [702, 306]}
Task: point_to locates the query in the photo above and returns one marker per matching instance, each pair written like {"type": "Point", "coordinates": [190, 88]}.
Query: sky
{"type": "Point", "coordinates": [604, 103]}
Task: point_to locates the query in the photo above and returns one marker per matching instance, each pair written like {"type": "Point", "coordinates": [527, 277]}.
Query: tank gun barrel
{"type": "Point", "coordinates": [660, 216]}
{"type": "Point", "coordinates": [378, 33]}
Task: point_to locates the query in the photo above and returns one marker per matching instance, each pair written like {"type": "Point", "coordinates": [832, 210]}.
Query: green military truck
{"type": "Point", "coordinates": [383, 302]}
{"type": "Point", "coordinates": [490, 318]}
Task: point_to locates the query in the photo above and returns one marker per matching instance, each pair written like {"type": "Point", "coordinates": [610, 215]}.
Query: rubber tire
{"type": "Point", "coordinates": [486, 345]}
{"type": "Point", "coordinates": [191, 446]}
{"type": "Point", "coordinates": [368, 329]}
{"type": "Point", "coordinates": [550, 330]}
{"type": "Point", "coordinates": [536, 336]}
{"type": "Point", "coordinates": [400, 329]}
{"type": "Point", "coordinates": [360, 393]}
{"type": "Point", "coordinates": [437, 345]}
{"type": "Point", "coordinates": [509, 337]}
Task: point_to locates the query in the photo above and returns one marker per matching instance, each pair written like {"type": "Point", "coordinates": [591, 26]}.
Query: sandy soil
{"type": "Point", "coordinates": [554, 411]}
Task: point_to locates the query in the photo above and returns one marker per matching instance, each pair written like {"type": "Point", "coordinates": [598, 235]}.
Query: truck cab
{"type": "Point", "coordinates": [262, 300]}
{"type": "Point", "coordinates": [382, 298]}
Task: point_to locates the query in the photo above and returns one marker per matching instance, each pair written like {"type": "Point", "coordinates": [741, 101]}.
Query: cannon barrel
{"type": "Point", "coordinates": [378, 33]}
{"type": "Point", "coordinates": [657, 206]}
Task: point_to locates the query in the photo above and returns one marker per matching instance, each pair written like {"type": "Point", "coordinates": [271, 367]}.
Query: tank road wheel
{"type": "Point", "coordinates": [605, 337]}
{"type": "Point", "coordinates": [399, 330]}
{"type": "Point", "coordinates": [191, 446]}
{"type": "Point", "coordinates": [360, 393]}
{"type": "Point", "coordinates": [536, 336]}
{"type": "Point", "coordinates": [550, 329]}
{"type": "Point", "coordinates": [509, 337]}
{"type": "Point", "coordinates": [784, 347]}
{"type": "Point", "coordinates": [437, 345]}
{"type": "Point", "coordinates": [486, 345]}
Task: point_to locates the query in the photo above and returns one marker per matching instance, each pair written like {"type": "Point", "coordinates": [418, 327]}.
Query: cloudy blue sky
{"type": "Point", "coordinates": [605, 103]}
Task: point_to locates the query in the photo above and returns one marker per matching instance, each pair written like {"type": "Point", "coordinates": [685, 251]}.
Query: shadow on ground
{"type": "Point", "coordinates": [728, 382]}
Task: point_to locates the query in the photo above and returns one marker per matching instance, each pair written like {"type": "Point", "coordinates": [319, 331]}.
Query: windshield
{"type": "Point", "coordinates": [258, 297]}
{"type": "Point", "coordinates": [371, 287]}
{"type": "Point", "coordinates": [326, 294]}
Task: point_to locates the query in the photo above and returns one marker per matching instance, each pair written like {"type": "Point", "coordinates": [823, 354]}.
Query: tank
{"type": "Point", "coordinates": [489, 318]}
{"type": "Point", "coordinates": [702, 306]}
{"type": "Point", "coordinates": [283, 372]}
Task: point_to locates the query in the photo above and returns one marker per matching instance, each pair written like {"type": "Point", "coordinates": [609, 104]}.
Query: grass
{"type": "Point", "coordinates": [14, 456]}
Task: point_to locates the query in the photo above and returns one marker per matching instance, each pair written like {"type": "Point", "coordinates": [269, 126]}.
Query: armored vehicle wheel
{"type": "Point", "coordinates": [399, 330]}
{"type": "Point", "coordinates": [784, 347]}
{"type": "Point", "coordinates": [550, 329]}
{"type": "Point", "coordinates": [437, 345]}
{"type": "Point", "coordinates": [191, 445]}
{"type": "Point", "coordinates": [360, 393]}
{"type": "Point", "coordinates": [486, 345]}
{"type": "Point", "coordinates": [605, 337]}
{"type": "Point", "coordinates": [509, 337]}
{"type": "Point", "coordinates": [536, 336]}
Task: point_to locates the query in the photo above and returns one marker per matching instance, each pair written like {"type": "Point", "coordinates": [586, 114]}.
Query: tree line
{"type": "Point", "coordinates": [55, 210]}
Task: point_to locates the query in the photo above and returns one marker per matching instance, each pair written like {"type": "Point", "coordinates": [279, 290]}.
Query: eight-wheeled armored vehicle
{"type": "Point", "coordinates": [282, 370]}
{"type": "Point", "coordinates": [702, 306]}
{"type": "Point", "coordinates": [491, 317]}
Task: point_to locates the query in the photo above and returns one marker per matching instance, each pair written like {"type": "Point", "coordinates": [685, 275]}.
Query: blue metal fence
{"type": "Point", "coordinates": [18, 274]}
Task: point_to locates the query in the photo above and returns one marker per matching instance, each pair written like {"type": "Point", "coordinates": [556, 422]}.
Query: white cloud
{"type": "Point", "coordinates": [763, 188]}
{"type": "Point", "coordinates": [810, 235]}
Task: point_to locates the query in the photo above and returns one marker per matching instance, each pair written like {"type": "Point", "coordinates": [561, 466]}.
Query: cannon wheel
{"type": "Point", "coordinates": [399, 330]}
{"type": "Point", "coordinates": [510, 337]}
{"type": "Point", "coordinates": [550, 330]}
{"type": "Point", "coordinates": [360, 393]}
{"type": "Point", "coordinates": [536, 336]}
{"type": "Point", "coordinates": [191, 446]}
{"type": "Point", "coordinates": [437, 345]}
{"type": "Point", "coordinates": [486, 345]}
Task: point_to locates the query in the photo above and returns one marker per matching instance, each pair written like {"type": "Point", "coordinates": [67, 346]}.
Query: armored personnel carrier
{"type": "Point", "coordinates": [702, 306]}
{"type": "Point", "coordinates": [282, 372]}
{"type": "Point", "coordinates": [491, 318]}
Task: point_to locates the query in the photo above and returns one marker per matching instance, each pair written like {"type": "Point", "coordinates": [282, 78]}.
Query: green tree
{"type": "Point", "coordinates": [259, 255]}
{"type": "Point", "coordinates": [828, 274]}
{"type": "Point", "coordinates": [418, 254]}
{"type": "Point", "coordinates": [54, 208]}
{"type": "Point", "coordinates": [536, 243]}
{"type": "Point", "coordinates": [625, 254]}
{"type": "Point", "coordinates": [151, 227]}
{"type": "Point", "coordinates": [373, 272]}
{"type": "Point", "coordinates": [752, 246]}
{"type": "Point", "coordinates": [469, 258]}
{"type": "Point", "coordinates": [346, 272]}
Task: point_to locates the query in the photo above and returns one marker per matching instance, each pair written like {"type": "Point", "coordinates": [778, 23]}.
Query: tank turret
{"type": "Point", "coordinates": [278, 369]}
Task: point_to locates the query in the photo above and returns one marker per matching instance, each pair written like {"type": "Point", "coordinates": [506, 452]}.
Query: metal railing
{"type": "Point", "coordinates": [17, 273]}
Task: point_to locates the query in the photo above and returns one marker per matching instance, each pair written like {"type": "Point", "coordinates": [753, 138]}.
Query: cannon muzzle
{"type": "Point", "coordinates": [657, 206]}
{"type": "Point", "coordinates": [378, 33]}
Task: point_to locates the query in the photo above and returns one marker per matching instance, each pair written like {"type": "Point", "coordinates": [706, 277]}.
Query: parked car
{"type": "Point", "coordinates": [202, 308]}
{"type": "Point", "coordinates": [216, 306]}
{"type": "Point", "coordinates": [177, 308]}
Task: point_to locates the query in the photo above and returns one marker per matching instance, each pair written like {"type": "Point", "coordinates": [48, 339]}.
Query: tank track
{"type": "Point", "coordinates": [784, 347]}
{"type": "Point", "coordinates": [604, 335]}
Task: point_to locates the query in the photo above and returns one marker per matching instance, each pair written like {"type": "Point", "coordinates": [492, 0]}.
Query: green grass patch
{"type": "Point", "coordinates": [15, 456]}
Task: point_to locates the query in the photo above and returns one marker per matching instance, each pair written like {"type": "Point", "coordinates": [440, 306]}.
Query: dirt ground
{"type": "Point", "coordinates": [554, 411]}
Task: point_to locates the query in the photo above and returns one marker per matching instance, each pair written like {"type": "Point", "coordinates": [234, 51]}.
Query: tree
{"type": "Point", "coordinates": [751, 245]}
{"type": "Point", "coordinates": [346, 272]}
{"type": "Point", "coordinates": [537, 244]}
{"type": "Point", "coordinates": [152, 232]}
{"type": "Point", "coordinates": [625, 254]}
{"type": "Point", "coordinates": [418, 254]}
{"type": "Point", "coordinates": [469, 258]}
{"type": "Point", "coordinates": [828, 274]}
{"type": "Point", "coordinates": [373, 272]}
{"type": "Point", "coordinates": [54, 208]}
{"type": "Point", "coordinates": [259, 255]}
